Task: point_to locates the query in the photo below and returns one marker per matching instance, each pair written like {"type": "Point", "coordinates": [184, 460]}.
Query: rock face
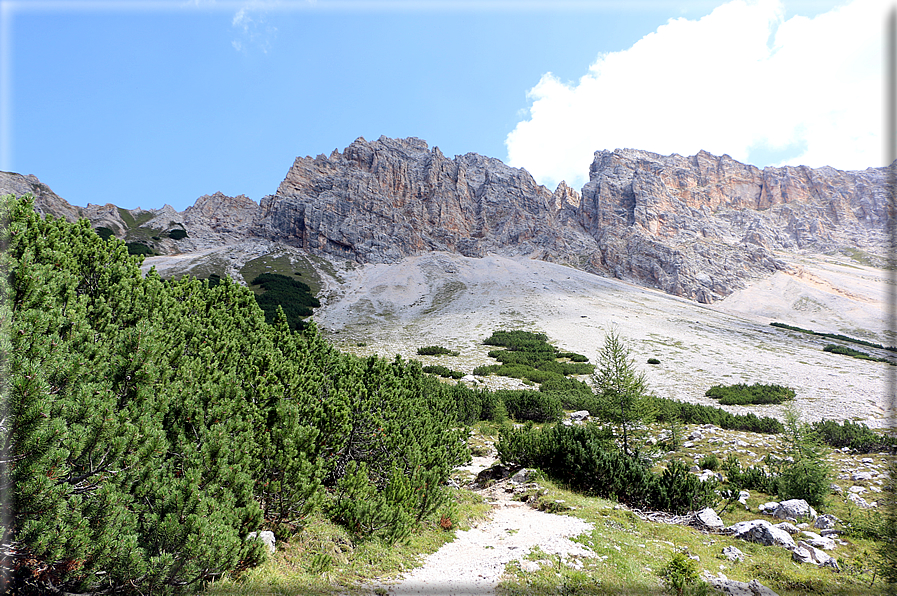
{"type": "Point", "coordinates": [46, 202]}
{"type": "Point", "coordinates": [385, 200]}
{"type": "Point", "coordinates": [218, 219]}
{"type": "Point", "coordinates": [699, 227]}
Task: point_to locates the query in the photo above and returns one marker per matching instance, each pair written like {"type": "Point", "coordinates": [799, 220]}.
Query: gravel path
{"type": "Point", "coordinates": [473, 564]}
{"type": "Point", "coordinates": [475, 561]}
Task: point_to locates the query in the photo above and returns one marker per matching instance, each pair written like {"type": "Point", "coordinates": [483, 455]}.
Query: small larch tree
{"type": "Point", "coordinates": [622, 390]}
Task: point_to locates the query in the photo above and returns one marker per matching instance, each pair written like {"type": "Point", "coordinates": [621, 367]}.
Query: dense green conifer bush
{"type": "Point", "coordinates": [844, 350]}
{"type": "Point", "coordinates": [700, 414]}
{"type": "Point", "coordinates": [531, 405]}
{"type": "Point", "coordinates": [139, 248]}
{"type": "Point", "coordinates": [104, 232]}
{"type": "Point", "coordinates": [293, 296]}
{"type": "Point", "coordinates": [586, 458]}
{"type": "Point", "coordinates": [855, 435]}
{"type": "Point", "coordinates": [756, 394]}
{"type": "Point", "coordinates": [435, 351]}
{"type": "Point", "coordinates": [157, 423]}
{"type": "Point", "coordinates": [443, 371]}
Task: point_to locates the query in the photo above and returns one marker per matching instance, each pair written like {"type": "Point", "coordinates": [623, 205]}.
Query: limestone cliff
{"type": "Point", "coordinates": [701, 226]}
{"type": "Point", "coordinates": [385, 200]}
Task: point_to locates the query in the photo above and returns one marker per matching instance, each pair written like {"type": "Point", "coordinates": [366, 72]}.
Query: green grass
{"type": "Point", "coordinates": [127, 217]}
{"type": "Point", "coordinates": [636, 552]}
{"type": "Point", "coordinates": [323, 558]}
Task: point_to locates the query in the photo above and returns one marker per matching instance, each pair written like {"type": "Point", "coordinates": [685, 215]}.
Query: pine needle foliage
{"type": "Point", "coordinates": [756, 394]}
{"type": "Point", "coordinates": [281, 292]}
{"type": "Point", "coordinates": [586, 458]}
{"type": "Point", "coordinates": [622, 390]}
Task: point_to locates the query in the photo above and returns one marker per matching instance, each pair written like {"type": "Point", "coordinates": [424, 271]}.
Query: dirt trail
{"type": "Point", "coordinates": [474, 562]}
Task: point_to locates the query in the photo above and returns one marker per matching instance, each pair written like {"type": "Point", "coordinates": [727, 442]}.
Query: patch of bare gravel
{"type": "Point", "coordinates": [475, 561]}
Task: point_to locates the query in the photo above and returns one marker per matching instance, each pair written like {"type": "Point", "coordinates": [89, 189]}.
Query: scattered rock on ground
{"type": "Point", "coordinates": [709, 519]}
{"type": "Point", "coordinates": [265, 536]}
{"type": "Point", "coordinates": [762, 532]}
{"type": "Point", "coordinates": [807, 553]}
{"type": "Point", "coordinates": [797, 509]}
{"type": "Point", "coordinates": [825, 521]}
{"type": "Point", "coordinates": [733, 554]}
{"type": "Point", "coordinates": [735, 588]}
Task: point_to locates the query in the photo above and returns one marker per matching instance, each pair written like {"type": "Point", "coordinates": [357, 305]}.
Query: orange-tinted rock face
{"type": "Point", "coordinates": [701, 226]}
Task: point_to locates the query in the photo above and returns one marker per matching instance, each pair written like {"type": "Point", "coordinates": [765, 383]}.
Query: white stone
{"type": "Point", "coordinates": [817, 541]}
{"type": "Point", "coordinates": [859, 501]}
{"type": "Point", "coordinates": [807, 553]}
{"type": "Point", "coordinates": [788, 527]}
{"type": "Point", "coordinates": [710, 519]}
{"type": "Point", "coordinates": [266, 536]}
{"type": "Point", "coordinates": [768, 507]}
{"type": "Point", "coordinates": [733, 554]}
{"type": "Point", "coordinates": [825, 522]}
{"type": "Point", "coordinates": [794, 509]}
{"type": "Point", "coordinates": [762, 532]}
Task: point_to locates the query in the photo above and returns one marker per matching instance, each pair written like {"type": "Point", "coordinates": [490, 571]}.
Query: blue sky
{"type": "Point", "coordinates": [145, 103]}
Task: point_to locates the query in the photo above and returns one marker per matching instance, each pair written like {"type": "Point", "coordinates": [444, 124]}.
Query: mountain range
{"type": "Point", "coordinates": [698, 227]}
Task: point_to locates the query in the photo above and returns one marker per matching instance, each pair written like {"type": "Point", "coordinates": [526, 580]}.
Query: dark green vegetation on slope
{"type": "Point", "coordinates": [528, 355]}
{"type": "Point", "coordinates": [854, 340]}
{"type": "Point", "coordinates": [586, 458]}
{"type": "Point", "coordinates": [845, 351]}
{"type": "Point", "coordinates": [291, 296]}
{"type": "Point", "coordinates": [756, 394]}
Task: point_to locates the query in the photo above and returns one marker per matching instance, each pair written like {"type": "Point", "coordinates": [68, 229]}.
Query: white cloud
{"type": "Point", "coordinates": [742, 80]}
{"type": "Point", "coordinates": [254, 31]}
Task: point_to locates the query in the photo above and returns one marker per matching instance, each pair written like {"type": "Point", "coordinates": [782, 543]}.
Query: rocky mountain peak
{"type": "Point", "coordinates": [388, 199]}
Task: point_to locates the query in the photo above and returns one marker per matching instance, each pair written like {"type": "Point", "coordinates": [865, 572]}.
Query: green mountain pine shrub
{"type": "Point", "coordinates": [443, 371]}
{"type": "Point", "coordinates": [844, 350]}
{"type": "Point", "coordinates": [435, 351]}
{"type": "Point", "coordinates": [756, 394]}
{"type": "Point", "coordinates": [857, 436]}
{"type": "Point", "coordinates": [293, 296]}
{"type": "Point", "coordinates": [158, 423]}
{"type": "Point", "coordinates": [587, 459]}
{"type": "Point", "coordinates": [700, 414]}
{"type": "Point", "coordinates": [535, 406]}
